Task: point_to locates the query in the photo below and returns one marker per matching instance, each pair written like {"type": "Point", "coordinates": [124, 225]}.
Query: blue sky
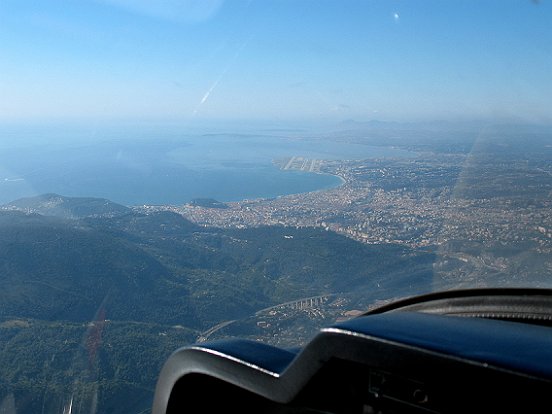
{"type": "Point", "coordinates": [275, 60]}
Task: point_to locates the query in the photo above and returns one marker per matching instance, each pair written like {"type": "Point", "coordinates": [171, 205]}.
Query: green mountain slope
{"type": "Point", "coordinates": [92, 304]}
{"type": "Point", "coordinates": [68, 207]}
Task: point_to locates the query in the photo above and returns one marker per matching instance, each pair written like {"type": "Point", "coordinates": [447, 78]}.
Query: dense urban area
{"type": "Point", "coordinates": [427, 201]}
{"type": "Point", "coordinates": [412, 202]}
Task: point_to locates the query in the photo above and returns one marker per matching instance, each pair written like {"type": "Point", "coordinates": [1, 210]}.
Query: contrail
{"type": "Point", "coordinates": [213, 86]}
{"type": "Point", "coordinates": [217, 81]}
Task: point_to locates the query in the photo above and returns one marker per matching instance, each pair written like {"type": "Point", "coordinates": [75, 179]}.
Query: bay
{"type": "Point", "coordinates": [169, 168]}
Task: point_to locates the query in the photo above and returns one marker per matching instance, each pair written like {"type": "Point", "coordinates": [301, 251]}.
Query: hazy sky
{"type": "Point", "coordinates": [261, 59]}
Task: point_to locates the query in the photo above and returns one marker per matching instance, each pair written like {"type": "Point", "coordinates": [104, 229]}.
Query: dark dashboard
{"type": "Point", "coordinates": [451, 352]}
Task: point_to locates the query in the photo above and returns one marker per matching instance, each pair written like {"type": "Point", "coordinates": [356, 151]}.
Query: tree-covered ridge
{"type": "Point", "coordinates": [91, 307]}
{"type": "Point", "coordinates": [68, 207]}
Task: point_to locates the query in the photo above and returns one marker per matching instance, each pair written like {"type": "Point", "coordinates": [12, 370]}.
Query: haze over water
{"type": "Point", "coordinates": [168, 169]}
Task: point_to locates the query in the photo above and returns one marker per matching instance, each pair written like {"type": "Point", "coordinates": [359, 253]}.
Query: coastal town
{"type": "Point", "coordinates": [417, 202]}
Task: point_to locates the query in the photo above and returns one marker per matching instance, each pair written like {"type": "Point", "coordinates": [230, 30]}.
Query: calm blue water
{"type": "Point", "coordinates": [164, 169]}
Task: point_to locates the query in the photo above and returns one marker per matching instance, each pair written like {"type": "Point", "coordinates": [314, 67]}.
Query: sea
{"type": "Point", "coordinates": [132, 166]}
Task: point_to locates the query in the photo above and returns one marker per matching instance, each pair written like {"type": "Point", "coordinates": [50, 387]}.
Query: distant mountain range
{"type": "Point", "coordinates": [117, 290]}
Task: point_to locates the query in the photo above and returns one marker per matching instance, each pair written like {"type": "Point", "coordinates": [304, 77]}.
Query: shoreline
{"type": "Point", "coordinates": [342, 182]}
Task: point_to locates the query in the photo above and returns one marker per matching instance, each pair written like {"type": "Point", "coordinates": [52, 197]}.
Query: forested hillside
{"type": "Point", "coordinates": [94, 302]}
